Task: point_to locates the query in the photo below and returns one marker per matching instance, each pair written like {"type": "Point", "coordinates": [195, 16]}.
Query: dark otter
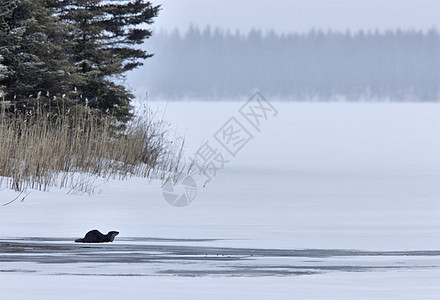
{"type": "Point", "coordinates": [94, 236]}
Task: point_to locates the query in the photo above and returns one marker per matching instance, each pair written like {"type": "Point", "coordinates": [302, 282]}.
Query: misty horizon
{"type": "Point", "coordinates": [324, 65]}
{"type": "Point", "coordinates": [353, 31]}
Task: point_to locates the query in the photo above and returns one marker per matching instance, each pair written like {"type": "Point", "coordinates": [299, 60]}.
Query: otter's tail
{"type": "Point", "coordinates": [79, 241]}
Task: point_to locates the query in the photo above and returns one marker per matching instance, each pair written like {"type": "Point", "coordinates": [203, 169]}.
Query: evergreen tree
{"type": "Point", "coordinates": [102, 51]}
{"type": "Point", "coordinates": [5, 13]}
{"type": "Point", "coordinates": [80, 48]}
{"type": "Point", "coordinates": [32, 43]}
{"type": "Point", "coordinates": [3, 71]}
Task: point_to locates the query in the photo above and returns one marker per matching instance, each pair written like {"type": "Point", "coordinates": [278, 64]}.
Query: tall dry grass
{"type": "Point", "coordinates": [41, 148]}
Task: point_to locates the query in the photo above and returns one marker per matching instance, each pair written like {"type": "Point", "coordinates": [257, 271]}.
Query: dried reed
{"type": "Point", "coordinates": [41, 148]}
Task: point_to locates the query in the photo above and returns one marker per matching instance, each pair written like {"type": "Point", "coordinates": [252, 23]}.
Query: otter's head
{"type": "Point", "coordinates": [112, 235]}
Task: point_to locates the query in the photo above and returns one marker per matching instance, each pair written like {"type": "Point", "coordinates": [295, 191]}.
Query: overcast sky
{"type": "Point", "coordinates": [299, 15]}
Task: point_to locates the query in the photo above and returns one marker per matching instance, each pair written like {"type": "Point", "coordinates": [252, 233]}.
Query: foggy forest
{"type": "Point", "coordinates": [397, 65]}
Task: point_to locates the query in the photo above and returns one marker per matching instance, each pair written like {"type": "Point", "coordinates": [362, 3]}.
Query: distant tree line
{"type": "Point", "coordinates": [72, 50]}
{"type": "Point", "coordinates": [395, 65]}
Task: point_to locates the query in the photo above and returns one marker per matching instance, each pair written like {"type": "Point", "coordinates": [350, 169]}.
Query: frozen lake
{"type": "Point", "coordinates": [156, 257]}
{"type": "Point", "coordinates": [325, 201]}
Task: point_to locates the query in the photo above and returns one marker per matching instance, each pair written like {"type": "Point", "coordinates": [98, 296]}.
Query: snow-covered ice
{"type": "Point", "coordinates": [358, 181]}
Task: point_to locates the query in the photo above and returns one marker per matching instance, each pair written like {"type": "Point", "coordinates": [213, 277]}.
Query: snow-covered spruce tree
{"type": "Point", "coordinates": [3, 71]}
{"type": "Point", "coordinates": [6, 11]}
{"type": "Point", "coordinates": [103, 40]}
{"type": "Point", "coordinates": [32, 44]}
{"type": "Point", "coordinates": [7, 7]}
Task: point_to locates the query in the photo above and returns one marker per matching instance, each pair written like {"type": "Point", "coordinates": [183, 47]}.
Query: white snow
{"type": "Point", "coordinates": [362, 176]}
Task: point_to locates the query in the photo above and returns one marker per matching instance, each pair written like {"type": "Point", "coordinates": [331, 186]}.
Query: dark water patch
{"type": "Point", "coordinates": [122, 239]}
{"type": "Point", "coordinates": [236, 273]}
{"type": "Point", "coordinates": [182, 250]}
{"type": "Point", "coordinates": [187, 260]}
{"type": "Point", "coordinates": [170, 240]}
{"type": "Point", "coordinates": [17, 271]}
{"type": "Point", "coordinates": [11, 246]}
